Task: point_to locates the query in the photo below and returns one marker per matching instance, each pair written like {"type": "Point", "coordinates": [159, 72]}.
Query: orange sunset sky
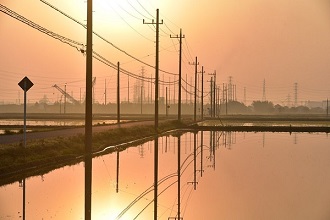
{"type": "Point", "coordinates": [280, 41]}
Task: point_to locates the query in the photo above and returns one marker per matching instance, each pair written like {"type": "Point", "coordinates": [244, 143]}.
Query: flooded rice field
{"type": "Point", "coordinates": [47, 123]}
{"type": "Point", "coordinates": [223, 175]}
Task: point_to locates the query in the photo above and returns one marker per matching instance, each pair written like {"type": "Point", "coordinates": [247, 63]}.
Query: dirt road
{"type": "Point", "coordinates": [7, 139]}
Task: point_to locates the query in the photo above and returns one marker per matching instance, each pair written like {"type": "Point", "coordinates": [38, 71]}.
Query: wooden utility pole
{"type": "Point", "coordinates": [128, 89]}
{"type": "Point", "coordinates": [157, 23]}
{"type": "Point", "coordinates": [166, 104]}
{"type": "Point", "coordinates": [211, 93]}
{"type": "Point", "coordinates": [105, 92]}
{"type": "Point", "coordinates": [180, 74]}
{"type": "Point", "coordinates": [195, 95]}
{"type": "Point", "coordinates": [213, 89]}
{"type": "Point", "coordinates": [118, 92]}
{"type": "Point", "coordinates": [141, 99]}
{"type": "Point", "coordinates": [214, 93]}
{"type": "Point", "coordinates": [202, 94]}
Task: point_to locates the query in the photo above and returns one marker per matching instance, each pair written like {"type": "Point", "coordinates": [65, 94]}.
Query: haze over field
{"type": "Point", "coordinates": [282, 42]}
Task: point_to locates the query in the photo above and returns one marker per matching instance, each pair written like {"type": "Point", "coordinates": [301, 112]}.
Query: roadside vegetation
{"type": "Point", "coordinates": [15, 159]}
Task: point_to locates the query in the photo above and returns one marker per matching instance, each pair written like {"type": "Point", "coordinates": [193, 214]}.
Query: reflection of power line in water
{"type": "Point", "coordinates": [150, 189]}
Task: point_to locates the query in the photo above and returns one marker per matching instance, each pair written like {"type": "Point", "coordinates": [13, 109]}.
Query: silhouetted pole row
{"type": "Point", "coordinates": [88, 112]}
{"type": "Point", "coordinates": [156, 111]}
{"type": "Point", "coordinates": [118, 92]}
{"type": "Point", "coordinates": [180, 74]}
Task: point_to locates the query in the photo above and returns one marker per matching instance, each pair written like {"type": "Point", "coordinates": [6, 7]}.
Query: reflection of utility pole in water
{"type": "Point", "coordinates": [156, 177]}
{"type": "Point", "coordinates": [179, 181]}
{"type": "Point", "coordinates": [212, 149]}
{"type": "Point", "coordinates": [195, 149]}
{"type": "Point", "coordinates": [22, 185]}
{"type": "Point", "coordinates": [88, 186]}
{"type": "Point", "coordinates": [179, 176]}
{"type": "Point", "coordinates": [141, 150]}
{"type": "Point", "coordinates": [201, 169]}
{"type": "Point", "coordinates": [165, 144]}
{"type": "Point", "coordinates": [117, 176]}
{"type": "Point", "coordinates": [263, 139]}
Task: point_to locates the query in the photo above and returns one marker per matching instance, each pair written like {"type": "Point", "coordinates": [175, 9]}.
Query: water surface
{"type": "Point", "coordinates": [223, 176]}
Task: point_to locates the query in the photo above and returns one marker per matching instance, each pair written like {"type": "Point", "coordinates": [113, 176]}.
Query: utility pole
{"type": "Point", "coordinates": [214, 92]}
{"type": "Point", "coordinates": [141, 98]}
{"type": "Point", "coordinates": [89, 112]}
{"type": "Point", "coordinates": [226, 100]}
{"type": "Point", "coordinates": [166, 104]}
{"type": "Point", "coordinates": [118, 92]}
{"type": "Point", "coordinates": [105, 91]}
{"type": "Point", "coordinates": [151, 89]}
{"type": "Point", "coordinates": [195, 95]}
{"type": "Point", "coordinates": [202, 107]}
{"type": "Point", "coordinates": [156, 112]}
{"type": "Point", "coordinates": [65, 98]}
{"type": "Point", "coordinates": [211, 93]}
{"type": "Point", "coordinates": [157, 23]}
{"type": "Point", "coordinates": [213, 89]}
{"type": "Point", "coordinates": [186, 89]}
{"type": "Point", "coordinates": [128, 89]}
{"type": "Point", "coordinates": [180, 74]}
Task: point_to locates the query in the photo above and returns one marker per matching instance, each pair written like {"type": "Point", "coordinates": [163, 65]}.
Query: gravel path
{"type": "Point", "coordinates": [7, 139]}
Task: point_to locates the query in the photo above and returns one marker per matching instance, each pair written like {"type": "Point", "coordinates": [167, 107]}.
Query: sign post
{"type": "Point", "coordinates": [25, 84]}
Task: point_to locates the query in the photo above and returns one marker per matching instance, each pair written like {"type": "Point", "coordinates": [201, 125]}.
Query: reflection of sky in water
{"type": "Point", "coordinates": [55, 122]}
{"type": "Point", "coordinates": [262, 123]}
{"type": "Point", "coordinates": [12, 130]}
{"type": "Point", "coordinates": [250, 176]}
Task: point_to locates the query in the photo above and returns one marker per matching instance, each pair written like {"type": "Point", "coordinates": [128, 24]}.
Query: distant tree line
{"type": "Point", "coordinates": [266, 107]}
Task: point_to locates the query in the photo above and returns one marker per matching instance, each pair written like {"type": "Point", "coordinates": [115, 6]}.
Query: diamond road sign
{"type": "Point", "coordinates": [25, 84]}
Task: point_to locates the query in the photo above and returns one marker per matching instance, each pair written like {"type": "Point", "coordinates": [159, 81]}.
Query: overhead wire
{"type": "Point", "coordinates": [105, 40]}
{"type": "Point", "coordinates": [68, 41]}
{"type": "Point", "coordinates": [30, 23]}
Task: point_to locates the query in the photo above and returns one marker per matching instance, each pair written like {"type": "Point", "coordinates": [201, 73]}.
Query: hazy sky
{"type": "Point", "coordinates": [280, 41]}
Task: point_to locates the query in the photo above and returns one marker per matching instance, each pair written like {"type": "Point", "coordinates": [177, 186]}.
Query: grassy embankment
{"type": "Point", "coordinates": [52, 152]}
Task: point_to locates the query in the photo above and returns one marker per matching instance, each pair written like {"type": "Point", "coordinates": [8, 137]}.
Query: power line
{"type": "Point", "coordinates": [105, 40]}
{"type": "Point", "coordinates": [30, 23]}
{"type": "Point", "coordinates": [68, 41]}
